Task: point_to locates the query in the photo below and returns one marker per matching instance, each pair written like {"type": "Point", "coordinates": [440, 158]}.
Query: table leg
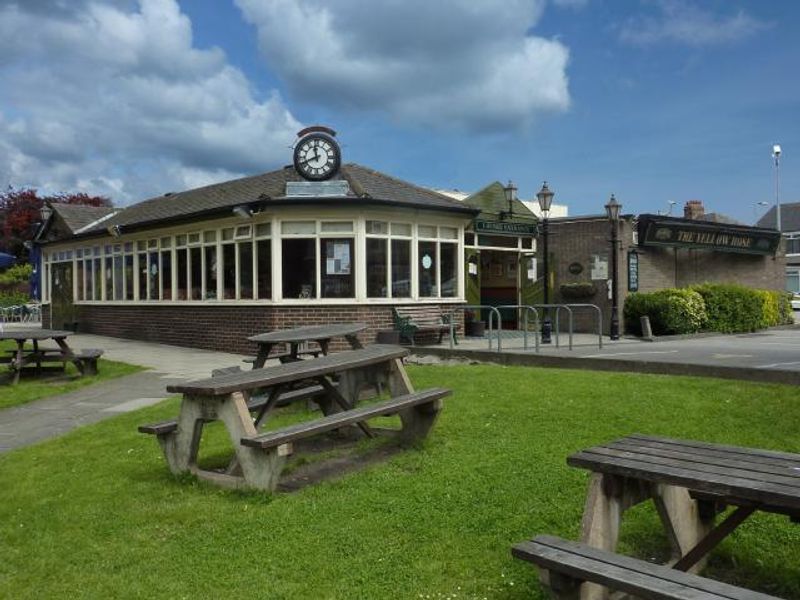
{"type": "Point", "coordinates": [68, 354]}
{"type": "Point", "coordinates": [607, 498]}
{"type": "Point", "coordinates": [37, 357]}
{"type": "Point", "coordinates": [324, 345]}
{"type": "Point", "coordinates": [684, 524]}
{"type": "Point", "coordinates": [263, 352]}
{"type": "Point", "coordinates": [355, 344]}
{"type": "Point", "coordinates": [18, 361]}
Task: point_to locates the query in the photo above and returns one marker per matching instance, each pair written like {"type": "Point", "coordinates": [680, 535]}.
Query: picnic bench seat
{"type": "Point", "coordinates": [254, 404]}
{"type": "Point", "coordinates": [410, 320]}
{"type": "Point", "coordinates": [424, 401]}
{"type": "Point", "coordinates": [565, 565]}
{"type": "Point", "coordinates": [86, 360]}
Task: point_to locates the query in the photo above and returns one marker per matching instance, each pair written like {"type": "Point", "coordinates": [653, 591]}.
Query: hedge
{"type": "Point", "coordinates": [726, 308]}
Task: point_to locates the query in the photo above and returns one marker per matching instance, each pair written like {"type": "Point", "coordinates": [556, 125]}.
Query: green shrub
{"type": "Point", "coordinates": [732, 308]}
{"type": "Point", "coordinates": [17, 273]}
{"type": "Point", "coordinates": [671, 311]}
{"type": "Point", "coordinates": [784, 304]}
{"type": "Point", "coordinates": [13, 299]}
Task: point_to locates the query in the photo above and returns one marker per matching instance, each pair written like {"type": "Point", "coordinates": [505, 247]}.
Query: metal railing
{"type": "Point", "coordinates": [526, 308]}
{"type": "Point", "coordinates": [492, 312]}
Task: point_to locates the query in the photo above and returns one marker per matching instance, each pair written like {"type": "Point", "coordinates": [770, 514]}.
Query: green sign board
{"type": "Point", "coordinates": [505, 227]}
{"type": "Point", "coordinates": [684, 233]}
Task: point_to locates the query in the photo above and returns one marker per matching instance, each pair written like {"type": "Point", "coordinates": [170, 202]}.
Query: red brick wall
{"type": "Point", "coordinates": [223, 328]}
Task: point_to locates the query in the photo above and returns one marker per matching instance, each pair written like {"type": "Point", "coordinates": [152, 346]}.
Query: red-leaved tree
{"type": "Point", "coordinates": [20, 212]}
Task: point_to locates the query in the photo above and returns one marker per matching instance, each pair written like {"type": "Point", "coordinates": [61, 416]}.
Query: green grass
{"type": "Point", "coordinates": [32, 388]}
{"type": "Point", "coordinates": [96, 513]}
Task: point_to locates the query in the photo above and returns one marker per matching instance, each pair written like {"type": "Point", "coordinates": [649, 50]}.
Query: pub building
{"type": "Point", "coordinates": [312, 243]}
{"type": "Point", "coordinates": [322, 242]}
{"type": "Point", "coordinates": [655, 252]}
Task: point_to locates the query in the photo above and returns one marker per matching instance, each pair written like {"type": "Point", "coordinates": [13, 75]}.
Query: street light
{"type": "Point", "coordinates": [45, 211]}
{"type": "Point", "coordinates": [612, 212]}
{"type": "Point", "coordinates": [776, 154]}
{"type": "Point", "coordinates": [510, 192]}
{"type": "Point", "coordinates": [545, 198]}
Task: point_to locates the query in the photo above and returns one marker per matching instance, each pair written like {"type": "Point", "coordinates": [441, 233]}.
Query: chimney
{"type": "Point", "coordinates": [693, 209]}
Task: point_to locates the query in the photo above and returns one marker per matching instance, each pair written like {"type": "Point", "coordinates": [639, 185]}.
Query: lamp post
{"type": "Point", "coordinates": [545, 198]}
{"type": "Point", "coordinates": [776, 154]}
{"type": "Point", "coordinates": [612, 212]}
{"type": "Point", "coordinates": [510, 192]}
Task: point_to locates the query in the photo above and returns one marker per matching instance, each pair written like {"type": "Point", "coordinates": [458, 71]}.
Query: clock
{"type": "Point", "coordinates": [317, 157]}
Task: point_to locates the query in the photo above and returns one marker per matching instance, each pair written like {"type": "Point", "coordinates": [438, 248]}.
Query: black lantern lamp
{"type": "Point", "coordinates": [612, 212]}
{"type": "Point", "coordinates": [545, 198]}
{"type": "Point", "coordinates": [45, 212]}
{"type": "Point", "coordinates": [510, 192]}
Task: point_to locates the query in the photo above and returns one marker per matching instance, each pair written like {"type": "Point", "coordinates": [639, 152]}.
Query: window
{"type": "Point", "coordinates": [263, 261]}
{"type": "Point", "coordinates": [437, 262]}
{"type": "Point", "coordinates": [793, 243]}
{"type": "Point", "coordinates": [388, 260]}
{"type": "Point", "coordinates": [426, 269]}
{"type": "Point", "coordinates": [210, 256]}
{"type": "Point", "coordinates": [299, 268]}
{"type": "Point", "coordinates": [245, 269]}
{"type": "Point", "coordinates": [377, 271]}
{"type": "Point", "coordinates": [449, 270]}
{"type": "Point", "coordinates": [229, 271]}
{"type": "Point", "coordinates": [338, 278]}
{"type": "Point", "coordinates": [401, 268]}
{"type": "Point", "coordinates": [195, 273]}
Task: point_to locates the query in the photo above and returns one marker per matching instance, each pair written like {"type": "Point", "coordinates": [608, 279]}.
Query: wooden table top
{"type": "Point", "coordinates": [288, 372]}
{"type": "Point", "coordinates": [730, 473]}
{"type": "Point", "coordinates": [33, 334]}
{"type": "Point", "coordinates": [311, 333]}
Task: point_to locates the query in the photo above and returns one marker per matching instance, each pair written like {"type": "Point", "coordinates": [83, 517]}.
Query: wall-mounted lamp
{"type": "Point", "coordinates": [45, 212]}
{"type": "Point", "coordinates": [510, 192]}
{"type": "Point", "coordinates": [243, 212]}
{"type": "Point", "coordinates": [115, 231]}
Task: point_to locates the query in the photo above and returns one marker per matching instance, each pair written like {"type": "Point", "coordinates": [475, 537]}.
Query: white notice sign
{"type": "Point", "coordinates": [599, 266]}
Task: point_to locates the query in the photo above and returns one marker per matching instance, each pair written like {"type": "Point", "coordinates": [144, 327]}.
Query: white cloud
{"type": "Point", "coordinates": [683, 23]}
{"type": "Point", "coordinates": [114, 98]}
{"type": "Point", "coordinates": [449, 63]}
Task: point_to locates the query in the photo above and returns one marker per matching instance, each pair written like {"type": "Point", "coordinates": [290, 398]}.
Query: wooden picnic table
{"type": "Point", "coordinates": [36, 356]}
{"type": "Point", "coordinates": [690, 483]}
{"type": "Point", "coordinates": [260, 457]}
{"type": "Point", "coordinates": [320, 334]}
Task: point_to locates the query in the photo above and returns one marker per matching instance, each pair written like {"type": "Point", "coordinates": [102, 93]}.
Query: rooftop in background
{"type": "Point", "coordinates": [556, 210]}
{"type": "Point", "coordinates": [790, 217]}
{"type": "Point", "coordinates": [77, 216]}
{"type": "Point", "coordinates": [267, 190]}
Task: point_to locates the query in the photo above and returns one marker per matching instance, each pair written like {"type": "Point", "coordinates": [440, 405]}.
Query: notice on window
{"type": "Point", "coordinates": [599, 266]}
{"type": "Point", "coordinates": [338, 261]}
{"type": "Point", "coordinates": [531, 269]}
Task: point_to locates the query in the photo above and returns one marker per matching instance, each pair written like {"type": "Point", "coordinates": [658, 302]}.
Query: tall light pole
{"type": "Point", "coordinates": [612, 212]}
{"type": "Point", "coordinates": [776, 154]}
{"type": "Point", "coordinates": [545, 198]}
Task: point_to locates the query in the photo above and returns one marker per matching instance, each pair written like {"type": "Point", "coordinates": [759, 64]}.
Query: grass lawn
{"type": "Point", "coordinates": [96, 513]}
{"type": "Point", "coordinates": [32, 388]}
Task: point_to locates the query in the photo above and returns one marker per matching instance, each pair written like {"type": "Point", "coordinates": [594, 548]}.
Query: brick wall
{"type": "Point", "coordinates": [223, 328]}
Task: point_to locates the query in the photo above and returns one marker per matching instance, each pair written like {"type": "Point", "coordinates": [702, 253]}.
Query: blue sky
{"type": "Point", "coordinates": [657, 101]}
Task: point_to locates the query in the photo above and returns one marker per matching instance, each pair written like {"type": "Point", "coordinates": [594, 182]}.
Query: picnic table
{"type": "Point", "coordinates": [690, 483]}
{"type": "Point", "coordinates": [260, 457]}
{"type": "Point", "coordinates": [84, 360]}
{"type": "Point", "coordinates": [299, 336]}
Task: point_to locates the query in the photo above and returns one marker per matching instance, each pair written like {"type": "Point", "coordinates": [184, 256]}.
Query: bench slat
{"type": "Point", "coordinates": [626, 574]}
{"type": "Point", "coordinates": [253, 405]}
{"type": "Point", "coordinates": [337, 420]}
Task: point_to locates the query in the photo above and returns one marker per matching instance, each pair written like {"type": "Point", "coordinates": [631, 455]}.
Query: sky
{"type": "Point", "coordinates": [655, 101]}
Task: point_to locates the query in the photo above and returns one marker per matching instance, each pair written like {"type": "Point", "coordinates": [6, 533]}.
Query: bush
{"type": "Point", "coordinates": [13, 299]}
{"type": "Point", "coordinates": [732, 308]}
{"type": "Point", "coordinates": [17, 274]}
{"type": "Point", "coordinates": [671, 311]}
{"type": "Point", "coordinates": [583, 289]}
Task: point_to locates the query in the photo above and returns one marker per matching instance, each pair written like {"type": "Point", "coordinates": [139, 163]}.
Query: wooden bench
{"type": "Point", "coordinates": [565, 565]}
{"type": "Point", "coordinates": [86, 360]}
{"type": "Point", "coordinates": [424, 403]}
{"type": "Point", "coordinates": [284, 356]}
{"type": "Point", "coordinates": [254, 404]}
{"type": "Point", "coordinates": [410, 320]}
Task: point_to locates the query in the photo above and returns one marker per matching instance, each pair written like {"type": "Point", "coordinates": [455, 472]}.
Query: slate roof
{"type": "Point", "coordinates": [76, 216]}
{"type": "Point", "coordinates": [790, 217]}
{"type": "Point", "coordinates": [267, 190]}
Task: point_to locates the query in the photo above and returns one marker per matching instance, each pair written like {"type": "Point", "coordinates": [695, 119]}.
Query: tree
{"type": "Point", "coordinates": [20, 212]}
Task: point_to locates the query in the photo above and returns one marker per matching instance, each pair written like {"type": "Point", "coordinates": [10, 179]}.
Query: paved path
{"type": "Point", "coordinates": [36, 421]}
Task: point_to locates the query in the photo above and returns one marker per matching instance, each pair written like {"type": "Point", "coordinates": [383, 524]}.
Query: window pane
{"type": "Point", "coordinates": [264, 252]}
{"type": "Point", "coordinates": [119, 277]}
{"type": "Point", "coordinates": [298, 227]}
{"type": "Point", "coordinates": [180, 240]}
{"type": "Point", "coordinates": [227, 233]}
{"type": "Point", "coordinates": [426, 231]}
{"type": "Point", "coordinates": [109, 274]}
{"type": "Point", "coordinates": [401, 268]}
{"type": "Point", "coordinates": [166, 242]}
{"type": "Point", "coordinates": [228, 271]}
{"type": "Point", "coordinates": [152, 276]}
{"type": "Point", "coordinates": [449, 270]}
{"type": "Point", "coordinates": [377, 259]}
{"type": "Point", "coordinates": [263, 229]}
{"type": "Point", "coordinates": [79, 279]}
{"type": "Point", "coordinates": [166, 275]}
{"type": "Point", "coordinates": [299, 268]}
{"type": "Point", "coordinates": [209, 236]}
{"type": "Point", "coordinates": [89, 280]}
{"type": "Point", "coordinates": [142, 276]}
{"type": "Point", "coordinates": [129, 277]}
{"type": "Point", "coordinates": [211, 272]}
{"type": "Point", "coordinates": [336, 226]}
{"type": "Point", "coordinates": [98, 279]}
{"type": "Point", "coordinates": [426, 269]}
{"type": "Point", "coordinates": [182, 268]}
{"type": "Point", "coordinates": [196, 272]}
{"type": "Point", "coordinates": [793, 281]}
{"type": "Point", "coordinates": [245, 270]}
{"type": "Point", "coordinates": [401, 229]}
{"type": "Point", "coordinates": [377, 227]}
{"type": "Point", "coordinates": [338, 279]}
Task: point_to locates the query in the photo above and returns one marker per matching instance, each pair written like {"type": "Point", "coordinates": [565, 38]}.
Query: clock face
{"type": "Point", "coordinates": [317, 157]}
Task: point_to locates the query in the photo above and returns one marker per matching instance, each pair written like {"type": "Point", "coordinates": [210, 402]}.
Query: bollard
{"type": "Point", "coordinates": [647, 332]}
